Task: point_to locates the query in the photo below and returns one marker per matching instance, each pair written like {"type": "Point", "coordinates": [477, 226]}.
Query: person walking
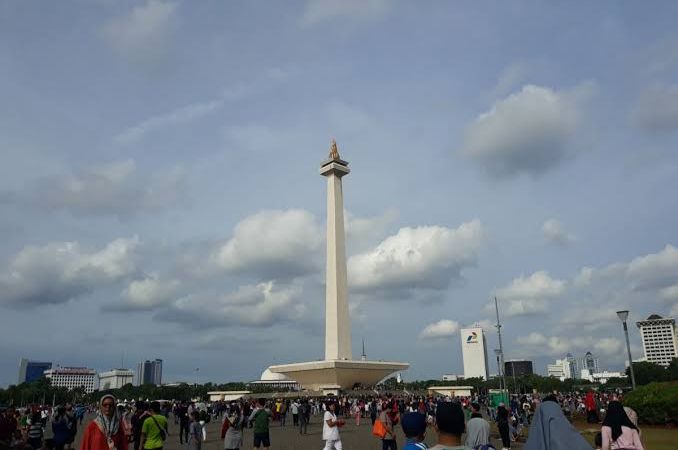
{"type": "Point", "coordinates": [503, 425]}
{"type": "Point", "coordinates": [194, 441]}
{"type": "Point", "coordinates": [551, 430]}
{"type": "Point", "coordinates": [140, 414]}
{"type": "Point", "coordinates": [184, 422]}
{"type": "Point", "coordinates": [35, 432]}
{"type": "Point", "coordinates": [154, 430]}
{"type": "Point", "coordinates": [294, 407]}
{"type": "Point", "coordinates": [61, 428]}
{"type": "Point", "coordinates": [105, 432]}
{"type": "Point", "coordinates": [389, 417]}
{"type": "Point", "coordinates": [231, 430]}
{"type": "Point", "coordinates": [477, 429]}
{"type": "Point", "coordinates": [331, 427]}
{"type": "Point", "coordinates": [260, 417]}
{"type": "Point", "coordinates": [450, 425]}
{"type": "Point", "coordinates": [304, 412]}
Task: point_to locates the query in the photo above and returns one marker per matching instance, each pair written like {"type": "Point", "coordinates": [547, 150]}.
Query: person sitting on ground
{"type": "Point", "coordinates": [414, 427]}
{"type": "Point", "coordinates": [450, 426]}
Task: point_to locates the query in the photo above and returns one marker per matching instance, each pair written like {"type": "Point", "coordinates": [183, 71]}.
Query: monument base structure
{"type": "Point", "coordinates": [338, 370]}
{"type": "Point", "coordinates": [334, 375]}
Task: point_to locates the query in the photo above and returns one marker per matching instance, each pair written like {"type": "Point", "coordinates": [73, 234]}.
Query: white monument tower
{"type": "Point", "coordinates": [337, 319]}
{"type": "Point", "coordinates": [338, 370]}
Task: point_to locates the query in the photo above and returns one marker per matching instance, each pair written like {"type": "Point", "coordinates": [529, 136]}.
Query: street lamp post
{"type": "Point", "coordinates": [623, 315]}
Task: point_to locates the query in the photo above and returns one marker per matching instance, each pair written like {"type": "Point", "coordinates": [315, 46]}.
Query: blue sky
{"type": "Point", "coordinates": [159, 192]}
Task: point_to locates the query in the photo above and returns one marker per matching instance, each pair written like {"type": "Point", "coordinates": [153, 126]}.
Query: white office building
{"type": "Point", "coordinates": [474, 353]}
{"type": "Point", "coordinates": [564, 369]}
{"type": "Point", "coordinates": [72, 377]}
{"type": "Point", "coordinates": [660, 342]}
{"type": "Point", "coordinates": [600, 377]}
{"type": "Point", "coordinates": [115, 379]}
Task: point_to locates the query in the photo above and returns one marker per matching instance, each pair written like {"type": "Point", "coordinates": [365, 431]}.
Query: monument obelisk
{"type": "Point", "coordinates": [337, 319]}
{"type": "Point", "coordinates": [338, 370]}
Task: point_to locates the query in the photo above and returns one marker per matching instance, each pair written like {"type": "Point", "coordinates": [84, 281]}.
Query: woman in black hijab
{"type": "Point", "coordinates": [618, 430]}
{"type": "Point", "coordinates": [503, 425]}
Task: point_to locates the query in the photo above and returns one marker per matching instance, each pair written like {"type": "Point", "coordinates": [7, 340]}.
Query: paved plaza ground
{"type": "Point", "coordinates": [288, 438]}
{"type": "Point", "coordinates": [360, 438]}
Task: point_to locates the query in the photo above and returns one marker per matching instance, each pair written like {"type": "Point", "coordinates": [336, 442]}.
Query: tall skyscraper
{"type": "Point", "coordinates": [149, 372]}
{"type": "Point", "coordinates": [32, 370]}
{"type": "Point", "coordinates": [590, 363]}
{"type": "Point", "coordinates": [660, 342]}
{"type": "Point", "coordinates": [474, 352]}
{"type": "Point", "coordinates": [571, 366]}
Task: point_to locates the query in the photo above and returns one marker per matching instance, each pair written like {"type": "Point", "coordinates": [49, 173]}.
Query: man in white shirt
{"type": "Point", "coordinates": [331, 427]}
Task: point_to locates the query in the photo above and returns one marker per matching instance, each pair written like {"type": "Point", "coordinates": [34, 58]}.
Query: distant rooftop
{"type": "Point", "coordinates": [654, 317]}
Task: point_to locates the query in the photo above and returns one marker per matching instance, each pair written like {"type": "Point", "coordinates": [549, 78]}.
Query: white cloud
{"type": "Point", "coordinates": [442, 329]}
{"type": "Point", "coordinates": [274, 244]}
{"type": "Point", "coordinates": [538, 344]}
{"type": "Point", "coordinates": [317, 11]}
{"type": "Point", "coordinates": [61, 271]}
{"type": "Point", "coordinates": [148, 293]}
{"type": "Point", "coordinates": [669, 293]}
{"type": "Point", "coordinates": [194, 111]}
{"type": "Point", "coordinates": [261, 305]}
{"type": "Point", "coordinates": [657, 108]}
{"type": "Point", "coordinates": [529, 295]}
{"type": "Point", "coordinates": [527, 132]}
{"type": "Point", "coordinates": [143, 33]}
{"type": "Point", "coordinates": [427, 257]}
{"type": "Point", "coordinates": [554, 231]}
{"type": "Point", "coordinates": [180, 115]}
{"type": "Point", "coordinates": [117, 188]}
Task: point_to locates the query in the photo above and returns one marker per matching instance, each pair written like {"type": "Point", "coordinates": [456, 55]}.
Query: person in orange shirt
{"type": "Point", "coordinates": [106, 431]}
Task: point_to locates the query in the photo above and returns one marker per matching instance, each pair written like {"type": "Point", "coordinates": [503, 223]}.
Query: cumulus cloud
{"type": "Point", "coordinates": [61, 271]}
{"type": "Point", "coordinates": [426, 257]}
{"type": "Point", "coordinates": [527, 132]}
{"type": "Point", "coordinates": [442, 329]}
{"type": "Point", "coordinates": [539, 344]}
{"type": "Point", "coordinates": [142, 34]}
{"type": "Point", "coordinates": [317, 11]}
{"type": "Point", "coordinates": [657, 108]}
{"type": "Point", "coordinates": [147, 293]}
{"type": "Point", "coordinates": [554, 232]}
{"type": "Point", "coordinates": [261, 305]}
{"type": "Point", "coordinates": [273, 244]}
{"type": "Point", "coordinates": [529, 295]}
{"type": "Point", "coordinates": [117, 188]}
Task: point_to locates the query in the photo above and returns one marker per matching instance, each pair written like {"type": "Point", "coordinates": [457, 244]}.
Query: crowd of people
{"type": "Point", "coordinates": [144, 426]}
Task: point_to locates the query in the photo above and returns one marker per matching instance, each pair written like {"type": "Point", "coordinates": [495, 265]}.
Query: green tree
{"type": "Point", "coordinates": [647, 372]}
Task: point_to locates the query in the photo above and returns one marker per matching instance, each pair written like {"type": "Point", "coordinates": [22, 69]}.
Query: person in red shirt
{"type": "Point", "coordinates": [106, 431]}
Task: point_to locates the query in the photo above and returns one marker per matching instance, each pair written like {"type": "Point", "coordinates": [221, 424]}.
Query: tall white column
{"type": "Point", "coordinates": [337, 319]}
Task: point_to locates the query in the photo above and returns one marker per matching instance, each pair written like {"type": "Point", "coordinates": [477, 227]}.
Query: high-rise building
{"type": "Point", "coordinates": [556, 370]}
{"type": "Point", "coordinates": [32, 370]}
{"type": "Point", "coordinates": [588, 362]}
{"type": "Point", "coordinates": [72, 377]}
{"type": "Point", "coordinates": [115, 379]}
{"type": "Point", "coordinates": [474, 352]}
{"type": "Point", "coordinates": [660, 342]}
{"type": "Point", "coordinates": [571, 366]}
{"type": "Point", "coordinates": [518, 367]}
{"type": "Point", "coordinates": [149, 372]}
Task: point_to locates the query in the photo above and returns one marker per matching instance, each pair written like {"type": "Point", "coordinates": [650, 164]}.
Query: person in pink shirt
{"type": "Point", "coordinates": [618, 431]}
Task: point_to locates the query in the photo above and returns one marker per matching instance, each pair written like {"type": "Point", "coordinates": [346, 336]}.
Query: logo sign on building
{"type": "Point", "coordinates": [472, 338]}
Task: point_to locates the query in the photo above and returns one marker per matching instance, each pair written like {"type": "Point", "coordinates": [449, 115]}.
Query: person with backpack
{"type": "Point", "coordinates": [260, 418]}
{"type": "Point", "coordinates": [154, 430]}
{"type": "Point", "coordinates": [389, 417]}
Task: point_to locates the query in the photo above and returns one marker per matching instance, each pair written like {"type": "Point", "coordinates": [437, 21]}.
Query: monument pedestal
{"type": "Point", "coordinates": [338, 374]}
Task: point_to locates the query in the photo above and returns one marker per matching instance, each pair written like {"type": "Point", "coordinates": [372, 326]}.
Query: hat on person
{"type": "Point", "coordinates": [414, 424]}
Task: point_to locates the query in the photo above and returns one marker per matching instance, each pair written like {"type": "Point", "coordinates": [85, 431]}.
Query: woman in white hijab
{"type": "Point", "coordinates": [106, 431]}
